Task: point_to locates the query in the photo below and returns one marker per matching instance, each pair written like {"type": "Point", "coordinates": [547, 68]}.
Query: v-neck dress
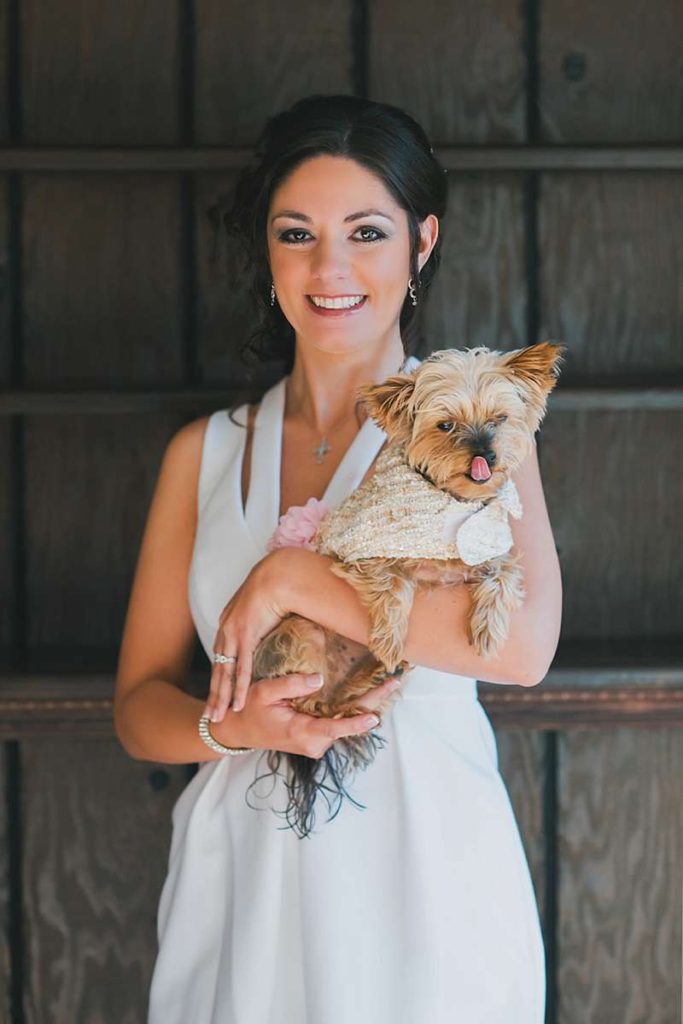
{"type": "Point", "coordinates": [418, 909]}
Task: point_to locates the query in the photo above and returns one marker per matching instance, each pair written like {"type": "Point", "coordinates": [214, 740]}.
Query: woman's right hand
{"type": "Point", "coordinates": [268, 721]}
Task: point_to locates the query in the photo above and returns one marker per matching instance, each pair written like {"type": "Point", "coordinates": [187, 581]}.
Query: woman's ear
{"type": "Point", "coordinates": [390, 406]}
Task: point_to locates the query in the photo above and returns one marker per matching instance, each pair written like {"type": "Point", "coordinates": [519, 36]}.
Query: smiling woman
{"type": "Point", "coordinates": [351, 279]}
{"type": "Point", "coordinates": [340, 220]}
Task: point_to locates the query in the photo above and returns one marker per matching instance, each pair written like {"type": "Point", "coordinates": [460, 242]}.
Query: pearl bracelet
{"type": "Point", "coordinates": [213, 743]}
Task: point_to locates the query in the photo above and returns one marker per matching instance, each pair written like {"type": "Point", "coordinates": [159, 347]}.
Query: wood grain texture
{"type": "Point", "coordinates": [521, 762]}
{"type": "Point", "coordinates": [89, 482]}
{"type": "Point", "coordinates": [100, 73]}
{"type": "Point", "coordinates": [610, 72]}
{"type": "Point", "coordinates": [79, 703]}
{"type": "Point", "coordinates": [5, 295]}
{"type": "Point", "coordinates": [96, 837]}
{"type": "Point", "coordinates": [7, 502]}
{"type": "Point", "coordinates": [5, 950]}
{"type": "Point", "coordinates": [4, 69]}
{"type": "Point", "coordinates": [614, 491]}
{"type": "Point", "coordinates": [458, 69]}
{"type": "Point", "coordinates": [224, 310]}
{"type": "Point", "coordinates": [611, 251]}
{"type": "Point", "coordinates": [259, 59]}
{"type": "Point", "coordinates": [594, 396]}
{"type": "Point", "coordinates": [219, 159]}
{"type": "Point", "coordinates": [102, 280]}
{"type": "Point", "coordinates": [620, 873]}
{"type": "Point", "coordinates": [479, 294]}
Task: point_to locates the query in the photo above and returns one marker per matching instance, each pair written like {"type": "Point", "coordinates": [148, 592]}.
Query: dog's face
{"type": "Point", "coordinates": [467, 417]}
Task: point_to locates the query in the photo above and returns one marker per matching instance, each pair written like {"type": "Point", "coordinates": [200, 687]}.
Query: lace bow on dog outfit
{"type": "Point", "coordinates": [399, 514]}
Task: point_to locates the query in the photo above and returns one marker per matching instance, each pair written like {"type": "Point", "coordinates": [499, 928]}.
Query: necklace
{"type": "Point", "coordinates": [323, 447]}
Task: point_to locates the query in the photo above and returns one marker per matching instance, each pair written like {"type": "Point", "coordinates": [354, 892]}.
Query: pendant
{"type": "Point", "coordinates": [321, 451]}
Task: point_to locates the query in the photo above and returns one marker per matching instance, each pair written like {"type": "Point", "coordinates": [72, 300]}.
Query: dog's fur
{"type": "Point", "coordinates": [496, 401]}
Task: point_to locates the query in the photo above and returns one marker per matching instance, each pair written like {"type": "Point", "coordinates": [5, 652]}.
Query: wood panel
{"type": "Point", "coordinates": [610, 72]}
{"type": "Point", "coordinates": [224, 311]}
{"type": "Point", "coordinates": [611, 251]}
{"type": "Point", "coordinates": [7, 500]}
{"type": "Point", "coordinates": [261, 57]}
{"type": "Point", "coordinates": [78, 701]}
{"type": "Point", "coordinates": [5, 882]}
{"type": "Point", "coordinates": [100, 73]}
{"type": "Point", "coordinates": [614, 491]}
{"type": "Point", "coordinates": [459, 69]}
{"type": "Point", "coordinates": [4, 73]}
{"type": "Point", "coordinates": [479, 294]}
{"type": "Point", "coordinates": [89, 482]}
{"type": "Point", "coordinates": [620, 858]}
{"type": "Point", "coordinates": [96, 835]}
{"type": "Point", "coordinates": [102, 280]}
{"type": "Point", "coordinates": [468, 158]}
{"type": "Point", "coordinates": [5, 286]}
{"type": "Point", "coordinates": [521, 761]}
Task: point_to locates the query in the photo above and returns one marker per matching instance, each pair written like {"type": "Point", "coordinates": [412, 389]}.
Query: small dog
{"type": "Point", "coordinates": [435, 512]}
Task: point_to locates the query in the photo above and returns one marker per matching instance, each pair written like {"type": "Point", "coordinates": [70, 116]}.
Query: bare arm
{"type": "Point", "coordinates": [437, 631]}
{"type": "Point", "coordinates": [154, 719]}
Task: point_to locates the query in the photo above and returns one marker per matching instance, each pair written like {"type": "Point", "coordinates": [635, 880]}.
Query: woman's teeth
{"type": "Point", "coordinates": [346, 302]}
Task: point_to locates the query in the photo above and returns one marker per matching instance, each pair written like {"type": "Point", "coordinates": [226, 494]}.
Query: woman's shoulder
{"type": "Point", "coordinates": [200, 449]}
{"type": "Point", "coordinates": [190, 438]}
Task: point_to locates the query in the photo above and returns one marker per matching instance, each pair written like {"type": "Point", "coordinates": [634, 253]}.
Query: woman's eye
{"type": "Point", "coordinates": [380, 234]}
{"type": "Point", "coordinates": [286, 235]}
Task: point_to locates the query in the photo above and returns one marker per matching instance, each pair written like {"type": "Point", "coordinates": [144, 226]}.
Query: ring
{"type": "Point", "coordinates": [222, 659]}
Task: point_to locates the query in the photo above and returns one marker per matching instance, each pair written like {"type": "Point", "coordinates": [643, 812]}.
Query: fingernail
{"type": "Point", "coordinates": [395, 685]}
{"type": "Point", "coordinates": [215, 716]}
{"type": "Point", "coordinates": [314, 681]}
{"type": "Point", "coordinates": [372, 720]}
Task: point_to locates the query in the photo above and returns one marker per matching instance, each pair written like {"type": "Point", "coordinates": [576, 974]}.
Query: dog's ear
{"type": "Point", "coordinates": [534, 371]}
{"type": "Point", "coordinates": [389, 405]}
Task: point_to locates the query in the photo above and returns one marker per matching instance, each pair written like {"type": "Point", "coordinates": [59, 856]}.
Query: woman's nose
{"type": "Point", "coordinates": [328, 259]}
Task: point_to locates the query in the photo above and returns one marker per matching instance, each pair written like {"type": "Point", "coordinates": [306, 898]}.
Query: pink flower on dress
{"type": "Point", "coordinates": [299, 525]}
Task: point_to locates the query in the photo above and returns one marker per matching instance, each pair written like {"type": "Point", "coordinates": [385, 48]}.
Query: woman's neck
{"type": "Point", "coordinates": [322, 387]}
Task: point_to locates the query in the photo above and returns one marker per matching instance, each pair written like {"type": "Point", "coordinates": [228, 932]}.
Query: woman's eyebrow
{"type": "Point", "coordinates": [295, 215]}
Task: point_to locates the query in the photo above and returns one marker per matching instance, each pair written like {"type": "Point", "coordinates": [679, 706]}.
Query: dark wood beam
{"type": "Point", "coordinates": [454, 158]}
{"type": "Point", "coordinates": [593, 396]}
{"type": "Point", "coordinates": [595, 697]}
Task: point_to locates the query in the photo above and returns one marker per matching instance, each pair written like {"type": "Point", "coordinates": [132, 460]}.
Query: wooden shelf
{"type": "Point", "coordinates": [592, 684]}
{"type": "Point", "coordinates": [635, 393]}
{"type": "Point", "coordinates": [173, 159]}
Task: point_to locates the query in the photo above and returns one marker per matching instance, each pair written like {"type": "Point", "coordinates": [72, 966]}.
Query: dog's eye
{"type": "Point", "coordinates": [498, 420]}
{"type": "Point", "coordinates": [447, 425]}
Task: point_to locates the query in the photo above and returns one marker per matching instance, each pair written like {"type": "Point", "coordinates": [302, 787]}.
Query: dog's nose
{"type": "Point", "coordinates": [487, 454]}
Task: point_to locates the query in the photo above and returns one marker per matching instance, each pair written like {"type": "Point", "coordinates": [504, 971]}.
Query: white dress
{"type": "Point", "coordinates": [417, 910]}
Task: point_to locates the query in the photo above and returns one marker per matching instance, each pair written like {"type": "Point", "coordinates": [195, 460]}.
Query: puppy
{"type": "Point", "coordinates": [434, 513]}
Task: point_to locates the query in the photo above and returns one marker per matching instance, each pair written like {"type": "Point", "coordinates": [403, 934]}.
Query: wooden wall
{"type": "Point", "coordinates": [120, 318]}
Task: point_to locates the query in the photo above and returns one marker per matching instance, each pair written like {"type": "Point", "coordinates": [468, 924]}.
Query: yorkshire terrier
{"type": "Point", "coordinates": [434, 512]}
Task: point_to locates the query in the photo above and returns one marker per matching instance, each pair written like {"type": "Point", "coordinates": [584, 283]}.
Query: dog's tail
{"type": "Point", "coordinates": [306, 778]}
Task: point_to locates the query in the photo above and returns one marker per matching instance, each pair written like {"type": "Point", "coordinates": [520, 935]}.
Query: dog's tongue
{"type": "Point", "coordinates": [480, 468]}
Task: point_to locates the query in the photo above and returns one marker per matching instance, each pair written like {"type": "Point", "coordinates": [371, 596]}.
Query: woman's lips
{"type": "Point", "coordinates": [335, 312]}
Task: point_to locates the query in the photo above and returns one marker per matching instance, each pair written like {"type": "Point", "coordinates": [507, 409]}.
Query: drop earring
{"type": "Point", "coordinates": [411, 289]}
{"type": "Point", "coordinates": [272, 294]}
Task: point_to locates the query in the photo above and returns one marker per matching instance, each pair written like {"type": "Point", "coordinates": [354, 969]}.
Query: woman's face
{"type": "Point", "coordinates": [335, 230]}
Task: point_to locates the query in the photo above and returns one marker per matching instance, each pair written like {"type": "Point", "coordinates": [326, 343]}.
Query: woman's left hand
{"type": "Point", "coordinates": [252, 612]}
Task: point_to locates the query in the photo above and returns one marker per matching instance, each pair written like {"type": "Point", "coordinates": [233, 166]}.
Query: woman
{"type": "Point", "coordinates": [418, 909]}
